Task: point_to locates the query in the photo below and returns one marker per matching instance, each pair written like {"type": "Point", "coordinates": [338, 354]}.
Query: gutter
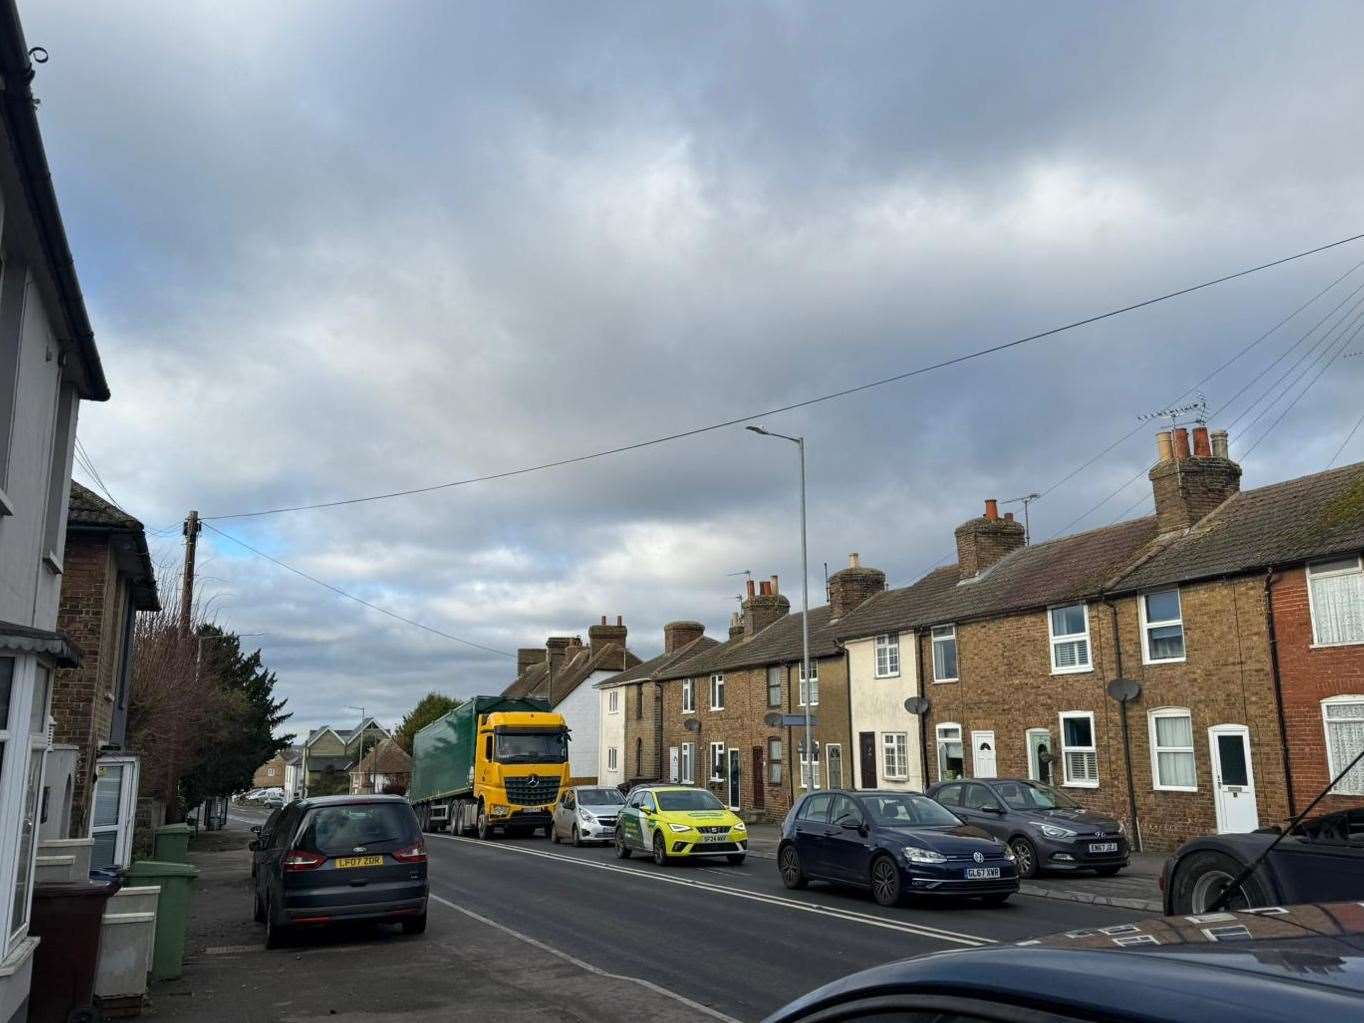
{"type": "Point", "coordinates": [26, 142]}
{"type": "Point", "coordinates": [1278, 691]}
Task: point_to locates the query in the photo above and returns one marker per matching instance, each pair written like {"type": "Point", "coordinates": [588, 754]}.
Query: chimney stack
{"type": "Point", "coordinates": [983, 541]}
{"type": "Point", "coordinates": [599, 636]}
{"type": "Point", "coordinates": [676, 635]}
{"type": "Point", "coordinates": [528, 657]}
{"type": "Point", "coordinates": [556, 647]}
{"type": "Point", "coordinates": [849, 588]}
{"type": "Point", "coordinates": [762, 610]}
{"type": "Point", "coordinates": [1188, 485]}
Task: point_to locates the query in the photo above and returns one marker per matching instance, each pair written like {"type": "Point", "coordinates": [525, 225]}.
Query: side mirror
{"type": "Point", "coordinates": [851, 825]}
{"type": "Point", "coordinates": [993, 808]}
{"type": "Point", "coordinates": [255, 829]}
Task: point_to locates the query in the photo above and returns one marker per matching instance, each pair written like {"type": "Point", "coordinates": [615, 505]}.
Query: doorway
{"type": "Point", "coordinates": [736, 761]}
{"type": "Point", "coordinates": [833, 755]}
{"type": "Point", "coordinates": [983, 754]}
{"type": "Point", "coordinates": [1039, 755]}
{"type": "Point", "coordinates": [115, 803]}
{"type": "Point", "coordinates": [866, 755]}
{"type": "Point", "coordinates": [1233, 779]}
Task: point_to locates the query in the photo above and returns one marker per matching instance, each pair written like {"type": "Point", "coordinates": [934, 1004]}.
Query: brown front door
{"type": "Point", "coordinates": [866, 749]}
{"type": "Point", "coordinates": [758, 778]}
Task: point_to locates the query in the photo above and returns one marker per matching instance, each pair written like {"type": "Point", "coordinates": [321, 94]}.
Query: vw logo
{"type": "Point", "coordinates": [979, 858]}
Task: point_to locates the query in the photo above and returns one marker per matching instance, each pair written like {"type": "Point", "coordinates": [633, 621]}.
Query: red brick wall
{"type": "Point", "coordinates": [1308, 676]}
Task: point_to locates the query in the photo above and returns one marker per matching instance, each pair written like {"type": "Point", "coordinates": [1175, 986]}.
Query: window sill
{"type": "Point", "coordinates": [1335, 646]}
{"type": "Point", "coordinates": [1079, 785]}
{"type": "Point", "coordinates": [1086, 670]}
{"type": "Point", "coordinates": [892, 675]}
{"type": "Point", "coordinates": [1173, 788]}
{"type": "Point", "coordinates": [1165, 660]}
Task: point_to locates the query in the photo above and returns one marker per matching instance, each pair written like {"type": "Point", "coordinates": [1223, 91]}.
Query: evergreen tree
{"type": "Point", "coordinates": [428, 709]}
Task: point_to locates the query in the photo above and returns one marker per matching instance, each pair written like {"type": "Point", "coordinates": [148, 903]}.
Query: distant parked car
{"type": "Point", "coordinates": [1321, 860]}
{"type": "Point", "coordinates": [340, 858]}
{"type": "Point", "coordinates": [677, 822]}
{"type": "Point", "coordinates": [273, 799]}
{"type": "Point", "coordinates": [1047, 829]}
{"type": "Point", "coordinates": [586, 814]}
{"type": "Point", "coordinates": [895, 844]}
{"type": "Point", "coordinates": [1302, 963]}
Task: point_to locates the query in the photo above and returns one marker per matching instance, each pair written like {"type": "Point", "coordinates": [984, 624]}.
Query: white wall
{"type": "Point", "coordinates": [612, 736]}
{"type": "Point", "coordinates": [878, 705]}
{"type": "Point", "coordinates": [582, 713]}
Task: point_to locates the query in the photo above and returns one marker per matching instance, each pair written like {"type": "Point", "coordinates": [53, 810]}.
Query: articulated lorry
{"type": "Point", "coordinates": [493, 764]}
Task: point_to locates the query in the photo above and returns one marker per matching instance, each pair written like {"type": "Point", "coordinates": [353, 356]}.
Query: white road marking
{"type": "Point", "coordinates": [852, 916]}
{"type": "Point", "coordinates": [584, 965]}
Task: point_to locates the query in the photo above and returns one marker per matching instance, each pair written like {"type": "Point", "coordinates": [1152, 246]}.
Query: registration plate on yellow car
{"type": "Point", "coordinates": [360, 861]}
{"type": "Point", "coordinates": [714, 839]}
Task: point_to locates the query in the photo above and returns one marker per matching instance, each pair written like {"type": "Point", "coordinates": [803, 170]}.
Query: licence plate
{"type": "Point", "coordinates": [710, 839]}
{"type": "Point", "coordinates": [1103, 847]}
{"type": "Point", "coordinates": [981, 873]}
{"type": "Point", "coordinates": [360, 861]}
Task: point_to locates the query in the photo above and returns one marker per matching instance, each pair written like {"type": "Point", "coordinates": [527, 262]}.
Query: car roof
{"type": "Point", "coordinates": [349, 800]}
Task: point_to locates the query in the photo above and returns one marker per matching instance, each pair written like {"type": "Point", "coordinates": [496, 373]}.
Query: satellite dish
{"type": "Point", "coordinates": [1124, 690]}
{"type": "Point", "coordinates": [692, 725]}
{"type": "Point", "coordinates": [773, 720]}
{"type": "Point", "coordinates": [917, 705]}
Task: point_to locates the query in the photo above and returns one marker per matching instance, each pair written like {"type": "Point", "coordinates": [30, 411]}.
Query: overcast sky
{"type": "Point", "coordinates": [334, 249]}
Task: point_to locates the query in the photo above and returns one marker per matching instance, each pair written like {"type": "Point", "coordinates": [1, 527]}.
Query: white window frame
{"type": "Point", "coordinates": [1083, 783]}
{"type": "Point", "coordinates": [1157, 749]}
{"type": "Point", "coordinates": [688, 696]}
{"type": "Point", "coordinates": [807, 771]}
{"type": "Point", "coordinates": [612, 758]}
{"type": "Point", "coordinates": [775, 760]}
{"type": "Point", "coordinates": [686, 772]}
{"type": "Point", "coordinates": [613, 701]}
{"type": "Point", "coordinates": [1148, 624]}
{"type": "Point", "coordinates": [775, 673]}
{"type": "Point", "coordinates": [1070, 637]}
{"type": "Point", "coordinates": [717, 692]}
{"type": "Point", "coordinates": [801, 687]}
{"type": "Point", "coordinates": [675, 764]}
{"type": "Point", "coordinates": [940, 743]}
{"type": "Point", "coordinates": [1335, 763]}
{"type": "Point", "coordinates": [1311, 600]}
{"type": "Point", "coordinates": [887, 643]}
{"type": "Point", "coordinates": [933, 639]}
{"type": "Point", "coordinates": [895, 744]}
{"type": "Point", "coordinates": [717, 761]}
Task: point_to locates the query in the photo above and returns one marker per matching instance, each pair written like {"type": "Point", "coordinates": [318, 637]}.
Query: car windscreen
{"type": "Point", "coordinates": [911, 811]}
{"type": "Point", "coordinates": [531, 748]}
{"type": "Point", "coordinates": [374, 827]}
{"type": "Point", "coordinates": [600, 797]}
{"type": "Point", "coordinates": [1026, 795]}
{"type": "Point", "coordinates": [698, 799]}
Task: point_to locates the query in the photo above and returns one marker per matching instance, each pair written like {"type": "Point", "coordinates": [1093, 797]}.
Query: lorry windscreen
{"type": "Point", "coordinates": [531, 748]}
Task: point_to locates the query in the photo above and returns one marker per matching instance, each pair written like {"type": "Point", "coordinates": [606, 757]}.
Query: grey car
{"type": "Point", "coordinates": [1046, 829]}
{"type": "Point", "coordinates": [586, 813]}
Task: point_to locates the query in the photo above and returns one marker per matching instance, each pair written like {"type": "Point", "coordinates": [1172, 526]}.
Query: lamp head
{"type": "Point", "coordinates": [758, 429]}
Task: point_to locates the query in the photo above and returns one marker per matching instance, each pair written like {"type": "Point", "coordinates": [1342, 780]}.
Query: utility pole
{"type": "Point", "coordinates": [192, 528]}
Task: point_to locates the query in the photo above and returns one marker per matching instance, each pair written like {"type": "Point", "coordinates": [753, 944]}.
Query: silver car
{"type": "Point", "coordinates": [586, 813]}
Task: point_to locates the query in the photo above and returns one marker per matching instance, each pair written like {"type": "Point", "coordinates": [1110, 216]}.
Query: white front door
{"type": "Point", "coordinates": [734, 780]}
{"type": "Point", "coordinates": [833, 756]}
{"type": "Point", "coordinates": [1039, 739]}
{"type": "Point", "coordinates": [111, 823]}
{"type": "Point", "coordinates": [1233, 779]}
{"type": "Point", "coordinates": [673, 776]}
{"type": "Point", "coordinates": [983, 754]}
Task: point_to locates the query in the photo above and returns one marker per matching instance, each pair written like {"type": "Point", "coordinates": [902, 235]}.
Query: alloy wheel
{"type": "Point", "coordinates": [660, 853]}
{"type": "Point", "coordinates": [885, 882]}
{"type": "Point", "coordinates": [791, 873]}
{"type": "Point", "coordinates": [1026, 856]}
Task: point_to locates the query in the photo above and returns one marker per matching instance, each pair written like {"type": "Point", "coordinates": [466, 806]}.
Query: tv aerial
{"type": "Point", "coordinates": [1195, 411]}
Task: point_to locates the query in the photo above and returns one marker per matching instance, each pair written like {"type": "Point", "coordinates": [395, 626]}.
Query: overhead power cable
{"type": "Point", "coordinates": [696, 431]}
{"type": "Point", "coordinates": [1346, 442]}
{"type": "Point", "coordinates": [350, 596]}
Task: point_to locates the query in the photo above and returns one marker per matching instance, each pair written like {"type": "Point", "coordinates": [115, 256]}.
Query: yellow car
{"type": "Point", "coordinates": [672, 821]}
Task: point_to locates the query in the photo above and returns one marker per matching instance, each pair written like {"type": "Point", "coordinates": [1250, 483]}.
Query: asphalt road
{"type": "Point", "coordinates": [731, 938]}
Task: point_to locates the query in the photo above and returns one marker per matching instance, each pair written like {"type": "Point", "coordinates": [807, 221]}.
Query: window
{"type": "Point", "coordinates": [1343, 717]}
{"type": "Point", "coordinates": [639, 758]}
{"type": "Point", "coordinates": [1069, 628]}
{"type": "Point", "coordinates": [688, 696]}
{"type": "Point", "coordinates": [774, 761]}
{"type": "Point", "coordinates": [774, 686]}
{"type": "Point", "coordinates": [816, 808]}
{"type": "Point", "coordinates": [805, 765]}
{"type": "Point", "coordinates": [717, 692]}
{"type": "Point", "coordinates": [639, 702]}
{"type": "Point", "coordinates": [895, 754]}
{"type": "Point", "coordinates": [612, 758]}
{"type": "Point", "coordinates": [1162, 626]}
{"type": "Point", "coordinates": [717, 761]}
{"type": "Point", "coordinates": [688, 775]}
{"type": "Point", "coordinates": [949, 795]}
{"type": "Point", "coordinates": [887, 656]}
{"type": "Point", "coordinates": [1172, 752]}
{"type": "Point", "coordinates": [978, 797]}
{"type": "Point", "coordinates": [1078, 753]}
{"type": "Point", "coordinates": [814, 684]}
{"type": "Point", "coordinates": [613, 701]}
{"type": "Point", "coordinates": [845, 813]}
{"type": "Point", "coordinates": [950, 759]}
{"type": "Point", "coordinates": [1335, 593]}
{"type": "Point", "coordinates": [944, 653]}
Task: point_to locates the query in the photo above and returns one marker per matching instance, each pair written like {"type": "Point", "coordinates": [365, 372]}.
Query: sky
{"type": "Point", "coordinates": [339, 249]}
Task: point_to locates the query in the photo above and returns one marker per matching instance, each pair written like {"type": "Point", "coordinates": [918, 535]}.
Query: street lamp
{"type": "Point", "coordinates": [804, 606]}
{"type": "Point", "coordinates": [352, 706]}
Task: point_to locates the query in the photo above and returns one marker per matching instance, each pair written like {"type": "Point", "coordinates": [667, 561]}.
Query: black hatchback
{"type": "Point", "coordinates": [895, 844]}
{"type": "Point", "coordinates": [340, 858]}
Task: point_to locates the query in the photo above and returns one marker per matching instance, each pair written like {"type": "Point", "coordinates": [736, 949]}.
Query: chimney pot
{"type": "Point", "coordinates": [620, 619]}
{"type": "Point", "coordinates": [1181, 444]}
{"type": "Point", "coordinates": [1165, 447]}
{"type": "Point", "coordinates": [749, 586]}
{"type": "Point", "coordinates": [854, 561]}
{"type": "Point", "coordinates": [991, 509]}
{"type": "Point", "coordinates": [1202, 448]}
{"type": "Point", "coordinates": [764, 588]}
{"type": "Point", "coordinates": [1219, 444]}
{"type": "Point", "coordinates": [983, 541]}
{"type": "Point", "coordinates": [774, 586]}
{"type": "Point", "coordinates": [603, 619]}
{"type": "Point", "coordinates": [1008, 516]}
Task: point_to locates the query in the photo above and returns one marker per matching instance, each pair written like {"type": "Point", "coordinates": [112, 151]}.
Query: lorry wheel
{"type": "Point", "coordinates": [485, 830]}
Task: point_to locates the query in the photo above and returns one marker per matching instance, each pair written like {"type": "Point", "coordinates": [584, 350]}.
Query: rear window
{"type": "Point", "coordinates": [337, 830]}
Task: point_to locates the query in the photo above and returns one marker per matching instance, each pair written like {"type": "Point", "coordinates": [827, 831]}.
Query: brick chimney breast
{"type": "Point", "coordinates": [598, 636]}
{"type": "Point", "coordinates": [676, 635]}
{"type": "Point", "coordinates": [1188, 488]}
{"type": "Point", "coordinates": [983, 541]}
{"type": "Point", "coordinates": [761, 610]}
{"type": "Point", "coordinates": [849, 588]}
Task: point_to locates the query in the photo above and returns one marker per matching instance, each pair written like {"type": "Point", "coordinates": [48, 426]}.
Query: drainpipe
{"type": "Point", "coordinates": [1278, 691]}
{"type": "Point", "coordinates": [852, 735]}
{"type": "Point", "coordinates": [1126, 734]}
{"type": "Point", "coordinates": [919, 673]}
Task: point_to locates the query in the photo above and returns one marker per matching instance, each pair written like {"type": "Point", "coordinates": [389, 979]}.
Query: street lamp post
{"type": "Point", "coordinates": [809, 771]}
{"type": "Point", "coordinates": [362, 742]}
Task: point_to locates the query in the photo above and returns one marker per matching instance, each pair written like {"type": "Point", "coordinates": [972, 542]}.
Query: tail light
{"type": "Point", "coordinates": [300, 859]}
{"type": "Point", "coordinates": [411, 853]}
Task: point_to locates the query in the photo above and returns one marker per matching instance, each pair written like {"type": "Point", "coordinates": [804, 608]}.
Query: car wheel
{"type": "Point", "coordinates": [274, 933]}
{"type": "Point", "coordinates": [417, 925]}
{"type": "Point", "coordinates": [660, 851]}
{"type": "Point", "coordinates": [554, 834]}
{"type": "Point", "coordinates": [483, 828]}
{"type": "Point", "coordinates": [885, 881]}
{"type": "Point", "coordinates": [997, 899]}
{"type": "Point", "coordinates": [622, 850]}
{"type": "Point", "coordinates": [792, 873]}
{"type": "Point", "coordinates": [736, 859]}
{"type": "Point", "coordinates": [1200, 880]}
{"type": "Point", "coordinates": [1026, 855]}
{"type": "Point", "coordinates": [577, 838]}
{"type": "Point", "coordinates": [259, 911]}
{"type": "Point", "coordinates": [1107, 871]}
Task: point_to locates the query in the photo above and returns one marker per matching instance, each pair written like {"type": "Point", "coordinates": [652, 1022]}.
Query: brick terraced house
{"type": "Point", "coordinates": [630, 706]}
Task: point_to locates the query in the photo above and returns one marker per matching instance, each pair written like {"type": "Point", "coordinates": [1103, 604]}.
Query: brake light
{"type": "Point", "coordinates": [302, 860]}
{"type": "Point", "coordinates": [411, 854]}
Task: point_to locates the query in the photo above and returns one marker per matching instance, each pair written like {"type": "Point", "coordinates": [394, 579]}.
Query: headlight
{"type": "Point", "coordinates": [501, 811]}
{"type": "Point", "coordinates": [586, 817]}
{"type": "Point", "coordinates": [678, 828]}
{"type": "Point", "coordinates": [1052, 831]}
{"type": "Point", "coordinates": [916, 855]}
{"type": "Point", "coordinates": [739, 826]}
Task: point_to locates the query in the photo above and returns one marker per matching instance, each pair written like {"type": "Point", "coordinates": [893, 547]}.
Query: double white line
{"type": "Point", "coordinates": [852, 916]}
